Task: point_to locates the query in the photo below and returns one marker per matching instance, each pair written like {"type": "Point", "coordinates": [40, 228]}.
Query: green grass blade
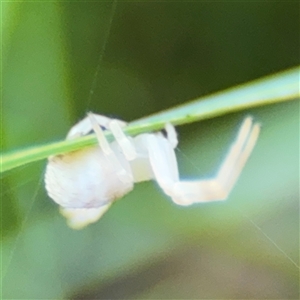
{"type": "Point", "coordinates": [280, 87]}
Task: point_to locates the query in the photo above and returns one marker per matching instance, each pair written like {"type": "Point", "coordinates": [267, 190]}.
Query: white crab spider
{"type": "Point", "coordinates": [86, 182]}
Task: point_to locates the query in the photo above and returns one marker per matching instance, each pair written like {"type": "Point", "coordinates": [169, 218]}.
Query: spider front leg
{"type": "Point", "coordinates": [165, 169]}
{"type": "Point", "coordinates": [94, 122]}
{"type": "Point", "coordinates": [84, 126]}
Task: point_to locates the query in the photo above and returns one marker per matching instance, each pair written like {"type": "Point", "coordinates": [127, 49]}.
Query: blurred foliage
{"type": "Point", "coordinates": [157, 55]}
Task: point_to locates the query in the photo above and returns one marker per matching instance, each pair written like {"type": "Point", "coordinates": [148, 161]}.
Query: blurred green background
{"type": "Point", "coordinates": [157, 55]}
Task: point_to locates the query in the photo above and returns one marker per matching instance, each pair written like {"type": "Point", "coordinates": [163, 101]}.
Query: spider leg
{"type": "Point", "coordinates": [238, 155]}
{"type": "Point", "coordinates": [107, 150]}
{"type": "Point", "coordinates": [78, 218]}
{"type": "Point", "coordinates": [84, 126]}
{"type": "Point", "coordinates": [93, 121]}
{"type": "Point", "coordinates": [171, 135]}
{"type": "Point", "coordinates": [163, 162]}
{"type": "Point", "coordinates": [96, 123]}
{"type": "Point", "coordinates": [188, 192]}
{"type": "Point", "coordinates": [124, 142]}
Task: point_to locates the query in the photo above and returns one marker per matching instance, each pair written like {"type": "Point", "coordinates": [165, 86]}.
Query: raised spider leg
{"type": "Point", "coordinates": [218, 188]}
{"type": "Point", "coordinates": [188, 192]}
{"type": "Point", "coordinates": [238, 154]}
